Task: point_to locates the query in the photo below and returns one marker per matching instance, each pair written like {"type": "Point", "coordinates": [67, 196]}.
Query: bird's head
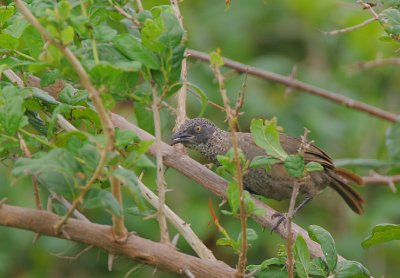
{"type": "Point", "coordinates": [194, 132]}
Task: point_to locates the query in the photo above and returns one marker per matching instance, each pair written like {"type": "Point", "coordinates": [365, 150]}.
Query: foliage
{"type": "Point", "coordinates": [125, 55]}
{"type": "Point", "coordinates": [317, 267]}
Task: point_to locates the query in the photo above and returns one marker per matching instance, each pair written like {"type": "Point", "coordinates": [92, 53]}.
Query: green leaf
{"type": "Point", "coordinates": [390, 21]}
{"type": "Point", "coordinates": [72, 96]}
{"type": "Point", "coordinates": [250, 234]}
{"type": "Point", "coordinates": [124, 137]}
{"type": "Point", "coordinates": [216, 58]}
{"type": "Point", "coordinates": [232, 193]}
{"type": "Point", "coordinates": [132, 48]}
{"type": "Point", "coordinates": [67, 35]}
{"type": "Point", "coordinates": [130, 179]}
{"type": "Point", "coordinates": [266, 136]}
{"type": "Point", "coordinates": [43, 96]}
{"type": "Point", "coordinates": [382, 233]}
{"type": "Point", "coordinates": [251, 206]}
{"type": "Point", "coordinates": [48, 78]}
{"type": "Point", "coordinates": [12, 62]}
{"type": "Point", "coordinates": [64, 9]}
{"type": "Point", "coordinates": [99, 198]}
{"type": "Point", "coordinates": [5, 13]}
{"type": "Point", "coordinates": [263, 161]}
{"type": "Point", "coordinates": [12, 110]}
{"type": "Point", "coordinates": [324, 238]}
{"type": "Point", "coordinates": [272, 261]}
{"type": "Point", "coordinates": [202, 95]}
{"type": "Point", "coordinates": [55, 170]}
{"type": "Point", "coordinates": [104, 33]}
{"type": "Point", "coordinates": [318, 267]}
{"type": "Point", "coordinates": [17, 28]}
{"type": "Point", "coordinates": [392, 142]}
{"type": "Point", "coordinates": [313, 166]}
{"type": "Point", "coordinates": [351, 269]}
{"type": "Point", "coordinates": [173, 33]}
{"type": "Point", "coordinates": [294, 164]}
{"type": "Point", "coordinates": [228, 242]}
{"type": "Point", "coordinates": [302, 256]}
{"type": "Point", "coordinates": [8, 42]}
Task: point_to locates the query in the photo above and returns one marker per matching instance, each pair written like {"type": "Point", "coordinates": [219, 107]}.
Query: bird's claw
{"type": "Point", "coordinates": [282, 219]}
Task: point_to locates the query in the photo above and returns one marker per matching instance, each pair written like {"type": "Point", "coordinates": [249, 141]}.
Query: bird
{"type": "Point", "coordinates": [204, 136]}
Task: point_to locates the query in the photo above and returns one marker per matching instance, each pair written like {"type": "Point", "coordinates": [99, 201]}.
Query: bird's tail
{"type": "Point", "coordinates": [340, 183]}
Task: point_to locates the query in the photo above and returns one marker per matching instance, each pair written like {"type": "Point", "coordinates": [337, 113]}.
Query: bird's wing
{"type": "Point", "coordinates": [289, 144]}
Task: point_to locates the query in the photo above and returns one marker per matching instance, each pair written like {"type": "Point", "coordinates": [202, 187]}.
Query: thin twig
{"type": "Point", "coordinates": [139, 6]}
{"type": "Point", "coordinates": [164, 237]}
{"type": "Point", "coordinates": [78, 201]}
{"type": "Point", "coordinates": [368, 6]}
{"type": "Point", "coordinates": [68, 205]}
{"type": "Point", "coordinates": [375, 63]}
{"type": "Point", "coordinates": [181, 116]}
{"type": "Point", "coordinates": [386, 180]}
{"type": "Point", "coordinates": [293, 198]}
{"type": "Point", "coordinates": [232, 119]}
{"type": "Point", "coordinates": [351, 28]}
{"type": "Point", "coordinates": [25, 150]}
{"type": "Point", "coordinates": [80, 253]}
{"type": "Point", "coordinates": [182, 227]}
{"type": "Point", "coordinates": [296, 84]}
{"type": "Point", "coordinates": [120, 232]}
{"type": "Point", "coordinates": [93, 94]}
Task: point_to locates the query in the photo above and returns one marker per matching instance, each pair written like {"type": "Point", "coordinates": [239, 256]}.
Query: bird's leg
{"type": "Point", "coordinates": [283, 216]}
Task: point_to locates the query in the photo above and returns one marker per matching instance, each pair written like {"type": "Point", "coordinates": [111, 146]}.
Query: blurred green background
{"type": "Point", "coordinates": [274, 35]}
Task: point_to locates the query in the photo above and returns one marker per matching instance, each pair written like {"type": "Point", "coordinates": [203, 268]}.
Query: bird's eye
{"type": "Point", "coordinates": [197, 129]}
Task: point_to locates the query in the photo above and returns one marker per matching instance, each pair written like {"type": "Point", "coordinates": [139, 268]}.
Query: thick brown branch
{"type": "Point", "coordinates": [136, 248]}
{"type": "Point", "coordinates": [211, 181]}
{"type": "Point", "coordinates": [296, 84]}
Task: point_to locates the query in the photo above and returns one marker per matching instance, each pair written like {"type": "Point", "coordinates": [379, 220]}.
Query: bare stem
{"type": "Point", "coordinates": [232, 118]}
{"type": "Point", "coordinates": [25, 150]}
{"type": "Point", "coordinates": [293, 198]}
{"type": "Point", "coordinates": [120, 232]}
{"type": "Point", "coordinates": [386, 180]}
{"type": "Point", "coordinates": [160, 168]}
{"type": "Point", "coordinates": [376, 63]}
{"type": "Point", "coordinates": [181, 109]}
{"type": "Point", "coordinates": [296, 84]}
{"type": "Point", "coordinates": [139, 5]}
{"type": "Point", "coordinates": [351, 28]}
{"type": "Point", "coordinates": [182, 226]}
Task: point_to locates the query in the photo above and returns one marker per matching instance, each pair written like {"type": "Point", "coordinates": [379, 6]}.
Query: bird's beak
{"type": "Point", "coordinates": [181, 137]}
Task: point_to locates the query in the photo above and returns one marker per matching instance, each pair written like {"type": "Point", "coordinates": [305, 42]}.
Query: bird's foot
{"type": "Point", "coordinates": [282, 218]}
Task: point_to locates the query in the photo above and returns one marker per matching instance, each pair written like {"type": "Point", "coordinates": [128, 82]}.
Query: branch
{"type": "Point", "coordinates": [351, 28]}
{"type": "Point", "coordinates": [211, 181]}
{"type": "Point", "coordinates": [296, 84]}
{"type": "Point", "coordinates": [94, 96]}
{"type": "Point", "coordinates": [386, 180]}
{"type": "Point", "coordinates": [181, 116]}
{"type": "Point", "coordinates": [136, 248]}
{"type": "Point", "coordinates": [232, 119]}
{"type": "Point", "coordinates": [181, 226]}
{"type": "Point", "coordinates": [376, 63]}
{"type": "Point", "coordinates": [164, 237]}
